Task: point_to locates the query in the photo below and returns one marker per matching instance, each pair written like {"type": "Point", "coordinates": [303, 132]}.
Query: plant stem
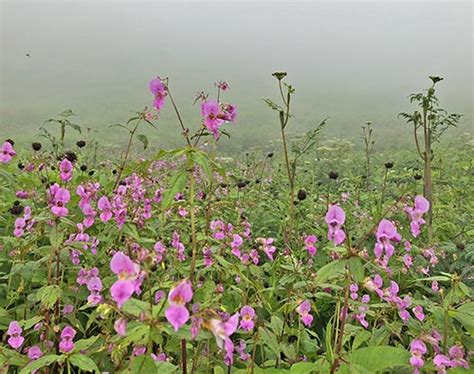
{"type": "Point", "coordinates": [125, 158]}
{"type": "Point", "coordinates": [193, 223]}
{"type": "Point", "coordinates": [183, 356]}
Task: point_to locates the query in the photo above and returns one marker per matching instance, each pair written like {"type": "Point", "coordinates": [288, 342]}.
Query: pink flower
{"type": "Point", "coordinates": [59, 198]}
{"type": "Point", "coordinates": [6, 153]}
{"type": "Point", "coordinates": [241, 350]}
{"type": "Point", "coordinates": [210, 111]}
{"type": "Point", "coordinates": [222, 332]}
{"type": "Point", "coordinates": [417, 349]}
{"type": "Point", "coordinates": [67, 335]}
{"type": "Point", "coordinates": [14, 331]}
{"type": "Point", "coordinates": [34, 353]}
{"type": "Point", "coordinates": [335, 218]}
{"type": "Point", "coordinates": [310, 246]}
{"type": "Point", "coordinates": [442, 362]}
{"type": "Point", "coordinates": [106, 209]}
{"type": "Point", "coordinates": [456, 352]}
{"type": "Point", "coordinates": [158, 89]}
{"type": "Point", "coordinates": [65, 169]}
{"type": "Point", "coordinates": [177, 314]}
{"type": "Point", "coordinates": [354, 288]}
{"type": "Point", "coordinates": [303, 310]}
{"type": "Point", "coordinates": [247, 322]}
{"type": "Point", "coordinates": [196, 323]}
{"type": "Point", "coordinates": [129, 278]}
{"type": "Point", "coordinates": [418, 312]}
{"type": "Point", "coordinates": [386, 233]}
{"type": "Point", "coordinates": [120, 326]}
{"type": "Point", "coordinates": [375, 285]}
{"type": "Point", "coordinates": [267, 247]}
{"type": "Point", "coordinates": [416, 214]}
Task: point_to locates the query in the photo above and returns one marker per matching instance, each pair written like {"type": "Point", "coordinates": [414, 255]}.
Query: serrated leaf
{"type": "Point", "coordinates": [83, 362]}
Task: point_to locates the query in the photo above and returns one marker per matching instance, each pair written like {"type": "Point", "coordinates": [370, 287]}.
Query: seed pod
{"type": "Point", "coordinates": [302, 195]}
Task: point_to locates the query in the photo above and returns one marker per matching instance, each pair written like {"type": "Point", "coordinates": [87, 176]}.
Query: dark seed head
{"type": "Point", "coordinates": [21, 166]}
{"type": "Point", "coordinates": [241, 184]}
{"type": "Point", "coordinates": [257, 181]}
{"type": "Point", "coordinates": [71, 156]}
{"type": "Point", "coordinates": [223, 185]}
{"type": "Point", "coordinates": [36, 146]}
{"type": "Point", "coordinates": [16, 202]}
{"type": "Point", "coordinates": [270, 155]}
{"type": "Point", "coordinates": [16, 210]}
{"type": "Point", "coordinates": [417, 177]}
{"type": "Point", "coordinates": [81, 143]}
{"type": "Point", "coordinates": [10, 141]}
{"type": "Point", "coordinates": [91, 172]}
{"type": "Point", "coordinates": [389, 164]}
{"type": "Point", "coordinates": [292, 338]}
{"type": "Point", "coordinates": [333, 175]}
{"type": "Point", "coordinates": [83, 167]}
{"type": "Point", "coordinates": [114, 172]}
{"type": "Point", "coordinates": [460, 246]}
{"type": "Point", "coordinates": [302, 195]}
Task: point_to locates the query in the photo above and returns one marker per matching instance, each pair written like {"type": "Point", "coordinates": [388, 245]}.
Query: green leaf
{"type": "Point", "coordinates": [356, 268]}
{"type": "Point", "coordinates": [465, 315]}
{"type": "Point", "coordinates": [165, 367]}
{"type": "Point", "coordinates": [304, 368]}
{"type": "Point", "coordinates": [83, 362]}
{"type": "Point", "coordinates": [143, 364]}
{"type": "Point", "coordinates": [142, 138]}
{"type": "Point", "coordinates": [330, 271]}
{"type": "Point", "coordinates": [177, 183]}
{"type": "Point", "coordinates": [49, 295]}
{"type": "Point", "coordinates": [39, 363]}
{"type": "Point", "coordinates": [83, 344]}
{"type": "Point", "coordinates": [379, 358]}
{"type": "Point", "coordinates": [270, 340]}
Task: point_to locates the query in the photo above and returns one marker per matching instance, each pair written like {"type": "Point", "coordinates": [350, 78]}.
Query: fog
{"type": "Point", "coordinates": [350, 61]}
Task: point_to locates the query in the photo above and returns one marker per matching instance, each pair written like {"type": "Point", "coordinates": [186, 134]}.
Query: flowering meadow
{"type": "Point", "coordinates": [313, 257]}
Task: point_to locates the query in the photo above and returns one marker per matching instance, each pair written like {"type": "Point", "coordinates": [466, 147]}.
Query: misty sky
{"type": "Point", "coordinates": [352, 61]}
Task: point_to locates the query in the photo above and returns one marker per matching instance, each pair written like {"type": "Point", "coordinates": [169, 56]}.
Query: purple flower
{"type": "Point", "coordinates": [386, 233]}
{"type": "Point", "coordinates": [267, 247]}
{"type": "Point", "coordinates": [303, 310]}
{"type": "Point", "coordinates": [177, 314]}
{"type": "Point", "coordinates": [354, 288]}
{"type": "Point", "coordinates": [120, 326]}
{"type": "Point", "coordinates": [34, 352]}
{"type": "Point", "coordinates": [65, 169]}
{"type": "Point", "coordinates": [416, 214]}
{"type": "Point", "coordinates": [335, 218]}
{"type": "Point", "coordinates": [106, 209]}
{"type": "Point", "coordinates": [129, 278]}
{"type": "Point", "coordinates": [14, 331]}
{"type": "Point", "coordinates": [247, 322]}
{"type": "Point", "coordinates": [310, 246]}
{"type": "Point", "coordinates": [417, 349]}
{"type": "Point", "coordinates": [210, 111]}
{"type": "Point", "coordinates": [222, 332]}
{"type": "Point", "coordinates": [59, 198]}
{"type": "Point", "coordinates": [67, 335]}
{"type": "Point", "coordinates": [6, 153]}
{"type": "Point", "coordinates": [158, 89]}
{"type": "Point", "coordinates": [418, 312]}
